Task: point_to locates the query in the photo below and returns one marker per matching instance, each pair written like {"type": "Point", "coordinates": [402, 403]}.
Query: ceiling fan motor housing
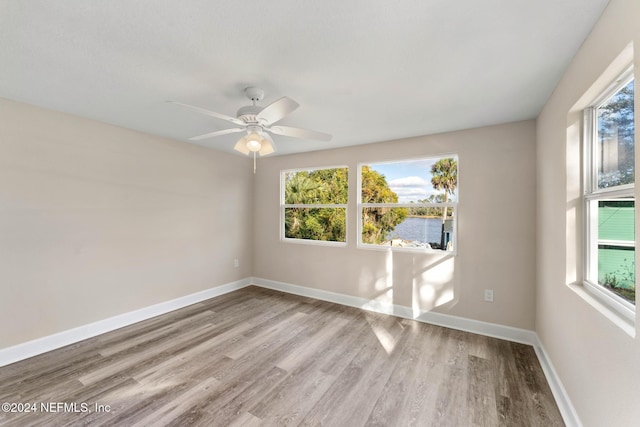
{"type": "Point", "coordinates": [248, 113]}
{"type": "Point", "coordinates": [254, 93]}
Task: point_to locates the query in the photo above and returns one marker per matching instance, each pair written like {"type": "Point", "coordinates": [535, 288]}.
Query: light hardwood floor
{"type": "Point", "coordinates": [261, 357]}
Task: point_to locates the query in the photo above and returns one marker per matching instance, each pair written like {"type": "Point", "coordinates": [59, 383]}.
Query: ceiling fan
{"type": "Point", "coordinates": [258, 122]}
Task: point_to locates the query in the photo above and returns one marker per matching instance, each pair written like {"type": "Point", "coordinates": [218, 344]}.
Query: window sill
{"type": "Point", "coordinates": [406, 249]}
{"type": "Point", "coordinates": [314, 242]}
{"type": "Point", "coordinates": [622, 317]}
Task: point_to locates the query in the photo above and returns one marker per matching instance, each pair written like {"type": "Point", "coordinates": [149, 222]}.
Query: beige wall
{"type": "Point", "coordinates": [97, 220]}
{"type": "Point", "coordinates": [598, 363]}
{"type": "Point", "coordinates": [496, 230]}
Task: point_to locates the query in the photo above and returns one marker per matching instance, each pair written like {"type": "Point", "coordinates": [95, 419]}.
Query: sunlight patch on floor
{"type": "Point", "coordinates": [385, 338]}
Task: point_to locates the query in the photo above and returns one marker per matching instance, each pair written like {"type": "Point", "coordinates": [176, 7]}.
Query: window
{"type": "Point", "coordinates": [609, 196]}
{"type": "Point", "coordinates": [409, 204]}
{"type": "Point", "coordinates": [314, 205]}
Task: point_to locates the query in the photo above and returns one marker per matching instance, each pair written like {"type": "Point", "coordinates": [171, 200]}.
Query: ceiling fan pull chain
{"type": "Point", "coordinates": [254, 162]}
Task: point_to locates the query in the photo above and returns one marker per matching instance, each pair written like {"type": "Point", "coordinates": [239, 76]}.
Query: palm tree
{"type": "Point", "coordinates": [444, 176]}
{"type": "Point", "coordinates": [299, 189]}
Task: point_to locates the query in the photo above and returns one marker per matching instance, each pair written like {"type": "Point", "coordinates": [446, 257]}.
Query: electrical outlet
{"type": "Point", "coordinates": [488, 295]}
{"type": "Point", "coordinates": [236, 263]}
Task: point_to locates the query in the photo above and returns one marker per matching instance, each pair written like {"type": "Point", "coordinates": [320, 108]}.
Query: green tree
{"type": "Point", "coordinates": [444, 177]}
{"type": "Point", "coordinates": [377, 222]}
{"type": "Point", "coordinates": [335, 189]}
{"type": "Point", "coordinates": [323, 186]}
{"type": "Point", "coordinates": [335, 186]}
{"type": "Point", "coordinates": [330, 186]}
{"type": "Point", "coordinates": [423, 211]}
{"type": "Point", "coordinates": [300, 188]}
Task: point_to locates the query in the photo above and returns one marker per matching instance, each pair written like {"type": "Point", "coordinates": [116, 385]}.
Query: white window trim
{"type": "Point", "coordinates": [592, 193]}
{"type": "Point", "coordinates": [284, 206]}
{"type": "Point", "coordinates": [360, 206]}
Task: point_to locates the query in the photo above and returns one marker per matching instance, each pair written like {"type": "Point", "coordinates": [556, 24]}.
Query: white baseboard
{"type": "Point", "coordinates": [468, 325]}
{"type": "Point", "coordinates": [567, 410]}
{"type": "Point", "coordinates": [42, 345]}
{"type": "Point", "coordinates": [508, 333]}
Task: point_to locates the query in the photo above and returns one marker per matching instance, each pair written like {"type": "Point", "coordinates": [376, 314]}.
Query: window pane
{"type": "Point", "coordinates": [616, 247]}
{"type": "Point", "coordinates": [412, 181]}
{"type": "Point", "coordinates": [328, 224]}
{"type": "Point", "coordinates": [615, 139]}
{"type": "Point", "coordinates": [616, 271]}
{"type": "Point", "coordinates": [400, 227]}
{"type": "Point", "coordinates": [616, 220]}
{"type": "Point", "coordinates": [321, 186]}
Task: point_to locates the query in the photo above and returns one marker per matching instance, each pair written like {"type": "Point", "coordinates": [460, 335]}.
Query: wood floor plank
{"type": "Point", "coordinates": [389, 405]}
{"type": "Point", "coordinates": [451, 402]}
{"type": "Point", "coordinates": [406, 391]}
{"type": "Point", "coordinates": [238, 376]}
{"type": "Point", "coordinates": [431, 372]}
{"type": "Point", "coordinates": [293, 397]}
{"type": "Point", "coordinates": [174, 408]}
{"type": "Point", "coordinates": [261, 386]}
{"type": "Point", "coordinates": [135, 360]}
{"type": "Point", "coordinates": [258, 343]}
{"type": "Point", "coordinates": [147, 339]}
{"type": "Point", "coordinates": [481, 393]}
{"type": "Point", "coordinates": [365, 375]}
{"type": "Point", "coordinates": [258, 357]}
{"type": "Point", "coordinates": [245, 420]}
{"type": "Point", "coordinates": [313, 345]}
{"type": "Point", "coordinates": [428, 372]}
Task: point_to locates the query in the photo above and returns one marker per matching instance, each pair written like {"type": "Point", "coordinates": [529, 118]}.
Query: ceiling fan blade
{"type": "Point", "coordinates": [210, 113]}
{"type": "Point", "coordinates": [277, 110]}
{"type": "Point", "coordinates": [216, 133]}
{"type": "Point", "coordinates": [300, 133]}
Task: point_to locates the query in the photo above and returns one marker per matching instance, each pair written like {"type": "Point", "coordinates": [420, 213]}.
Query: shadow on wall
{"type": "Point", "coordinates": [433, 284]}
{"type": "Point", "coordinates": [407, 281]}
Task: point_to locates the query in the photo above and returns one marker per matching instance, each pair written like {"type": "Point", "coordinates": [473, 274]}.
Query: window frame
{"type": "Point", "coordinates": [284, 207]}
{"type": "Point", "coordinates": [360, 206]}
{"type": "Point", "coordinates": [592, 195]}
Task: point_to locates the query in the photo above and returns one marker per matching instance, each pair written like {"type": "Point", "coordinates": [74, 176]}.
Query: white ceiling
{"type": "Point", "coordinates": [362, 70]}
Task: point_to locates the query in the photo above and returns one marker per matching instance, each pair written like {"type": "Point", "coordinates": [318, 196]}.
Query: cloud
{"type": "Point", "coordinates": [411, 188]}
{"type": "Point", "coordinates": [409, 181]}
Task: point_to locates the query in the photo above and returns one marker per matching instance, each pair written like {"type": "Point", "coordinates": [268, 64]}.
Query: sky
{"type": "Point", "coordinates": [409, 179]}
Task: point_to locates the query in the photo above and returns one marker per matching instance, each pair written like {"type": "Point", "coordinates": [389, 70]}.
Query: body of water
{"type": "Point", "coordinates": [423, 230]}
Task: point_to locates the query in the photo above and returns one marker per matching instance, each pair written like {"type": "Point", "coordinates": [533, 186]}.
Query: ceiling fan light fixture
{"type": "Point", "coordinates": [267, 148]}
{"type": "Point", "coordinates": [253, 142]}
{"type": "Point", "coordinates": [241, 146]}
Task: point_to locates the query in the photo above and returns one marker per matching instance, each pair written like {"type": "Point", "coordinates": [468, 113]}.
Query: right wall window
{"type": "Point", "coordinates": [609, 194]}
